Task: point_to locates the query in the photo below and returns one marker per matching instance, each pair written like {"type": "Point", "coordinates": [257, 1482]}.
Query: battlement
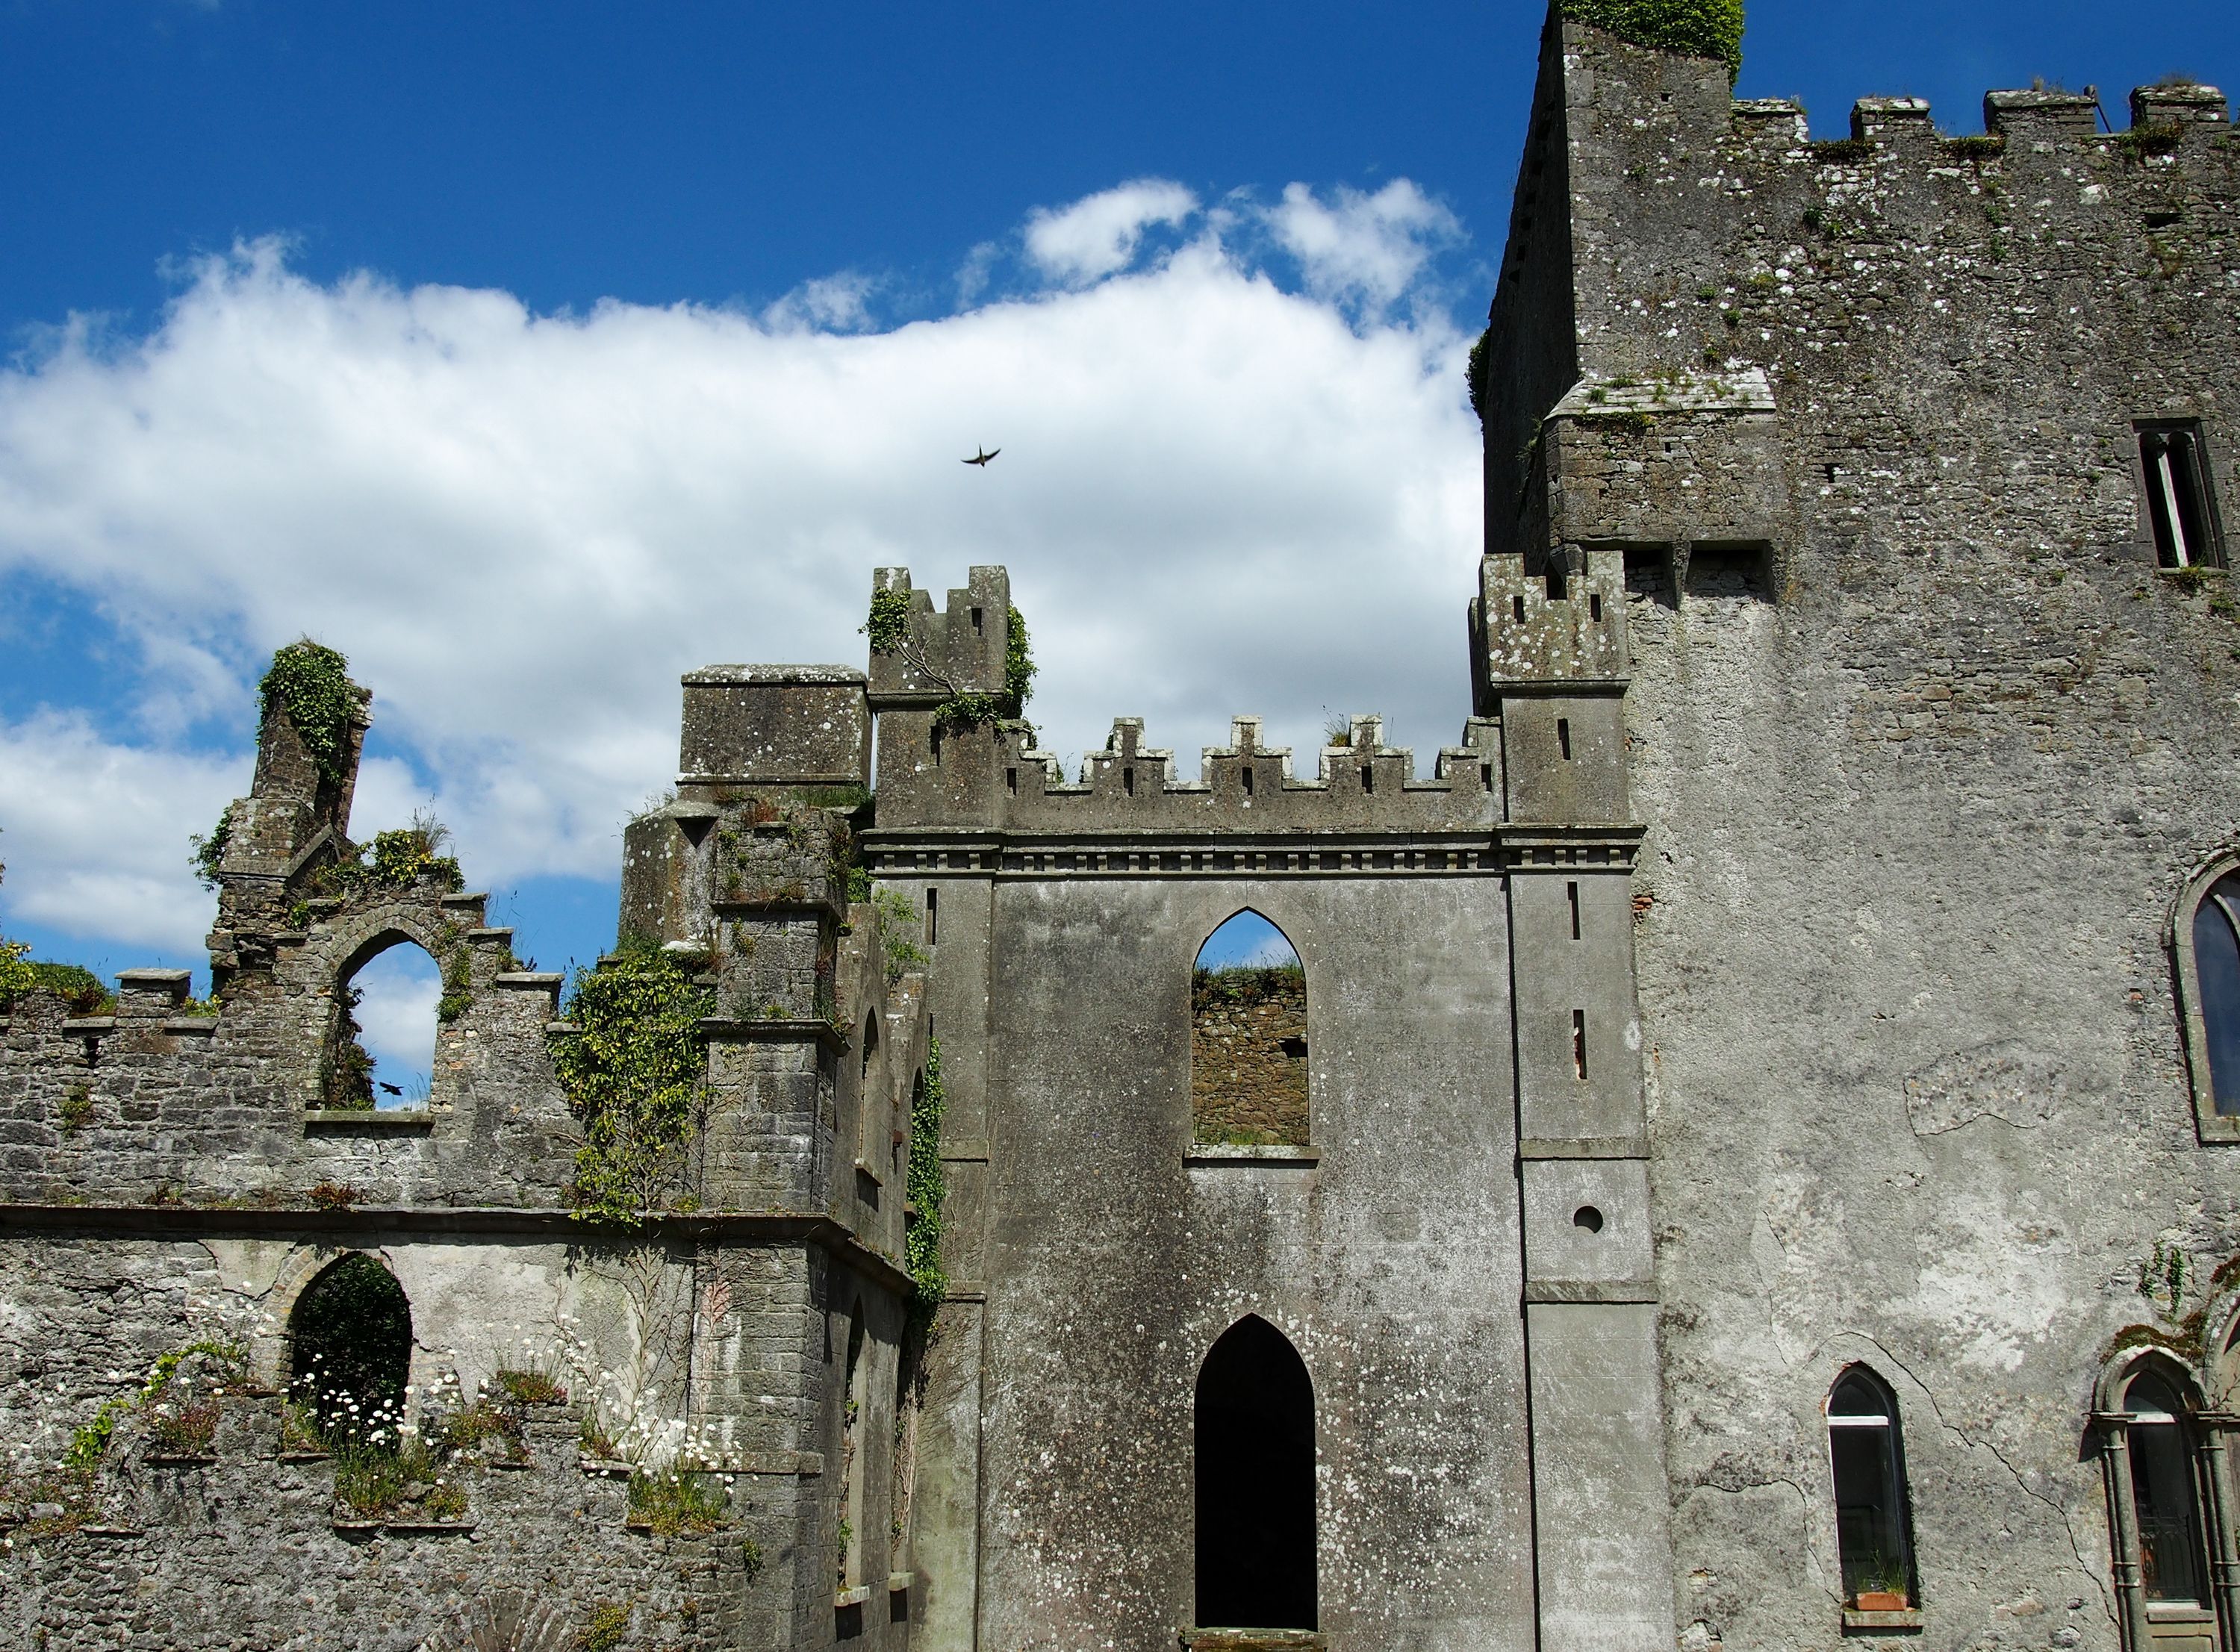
{"type": "Point", "coordinates": [936, 655]}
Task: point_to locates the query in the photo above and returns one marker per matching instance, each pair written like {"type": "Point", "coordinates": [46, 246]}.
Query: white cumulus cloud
{"type": "Point", "coordinates": [1364, 248]}
{"type": "Point", "coordinates": [1215, 496]}
{"type": "Point", "coordinates": [1099, 233]}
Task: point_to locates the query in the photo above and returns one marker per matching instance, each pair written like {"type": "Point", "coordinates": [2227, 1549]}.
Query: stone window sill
{"type": "Point", "coordinates": [1857, 1622]}
{"type": "Point", "coordinates": [1218, 1152]}
{"type": "Point", "coordinates": [848, 1597]}
{"type": "Point", "coordinates": [900, 1583]}
{"type": "Point", "coordinates": [391, 1118]}
{"type": "Point", "coordinates": [1253, 1640]}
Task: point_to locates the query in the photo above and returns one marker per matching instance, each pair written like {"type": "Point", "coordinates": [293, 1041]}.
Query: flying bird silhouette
{"type": "Point", "coordinates": [982, 457]}
{"type": "Point", "coordinates": [393, 1089]}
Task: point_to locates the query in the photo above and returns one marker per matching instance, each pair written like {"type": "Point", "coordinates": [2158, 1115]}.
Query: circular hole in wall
{"type": "Point", "coordinates": [1588, 1217]}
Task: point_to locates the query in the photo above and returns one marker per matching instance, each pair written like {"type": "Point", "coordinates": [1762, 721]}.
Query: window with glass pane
{"type": "Point", "coordinates": [2162, 1493]}
{"type": "Point", "coordinates": [1874, 1535]}
{"type": "Point", "coordinates": [2217, 978]}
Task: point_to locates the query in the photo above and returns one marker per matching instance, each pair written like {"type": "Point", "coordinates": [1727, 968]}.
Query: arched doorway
{"type": "Point", "coordinates": [352, 1349]}
{"type": "Point", "coordinates": [1256, 1482]}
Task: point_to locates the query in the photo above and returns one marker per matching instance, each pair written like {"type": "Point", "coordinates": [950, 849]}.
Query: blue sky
{"type": "Point", "coordinates": [533, 354]}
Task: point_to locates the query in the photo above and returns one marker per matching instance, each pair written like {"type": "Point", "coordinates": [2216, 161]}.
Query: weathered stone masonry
{"type": "Point", "coordinates": [1759, 1180]}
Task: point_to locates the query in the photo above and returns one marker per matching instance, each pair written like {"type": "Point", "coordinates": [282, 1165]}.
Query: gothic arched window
{"type": "Point", "coordinates": [1874, 1528]}
{"type": "Point", "coordinates": [2207, 940]}
{"type": "Point", "coordinates": [1249, 1037]}
{"type": "Point", "coordinates": [2162, 1504]}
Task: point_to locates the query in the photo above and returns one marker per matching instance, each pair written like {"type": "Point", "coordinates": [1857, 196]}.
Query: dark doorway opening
{"type": "Point", "coordinates": [1256, 1482]}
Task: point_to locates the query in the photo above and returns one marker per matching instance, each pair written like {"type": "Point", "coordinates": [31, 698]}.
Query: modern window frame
{"type": "Point", "coordinates": [2193, 1025]}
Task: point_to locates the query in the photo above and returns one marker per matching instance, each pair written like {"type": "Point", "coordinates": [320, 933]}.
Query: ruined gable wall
{"type": "Point", "coordinates": [1921, 789]}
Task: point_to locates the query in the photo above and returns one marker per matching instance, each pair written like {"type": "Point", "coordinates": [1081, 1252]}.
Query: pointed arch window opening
{"type": "Point", "coordinates": [2173, 1569]}
{"type": "Point", "coordinates": [1254, 1463]}
{"type": "Point", "coordinates": [382, 1050]}
{"type": "Point", "coordinates": [351, 1351]}
{"type": "Point", "coordinates": [1248, 1051]}
{"type": "Point", "coordinates": [1874, 1523]}
{"type": "Point", "coordinates": [2217, 983]}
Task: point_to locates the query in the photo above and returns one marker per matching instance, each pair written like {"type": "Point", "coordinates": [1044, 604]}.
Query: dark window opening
{"type": "Point", "coordinates": [1571, 892]}
{"type": "Point", "coordinates": [1594, 608]}
{"type": "Point", "coordinates": [1874, 1530]}
{"type": "Point", "coordinates": [1588, 1217]}
{"type": "Point", "coordinates": [2216, 982]}
{"type": "Point", "coordinates": [351, 1354]}
{"type": "Point", "coordinates": [1254, 1441]}
{"type": "Point", "coordinates": [2180, 504]}
{"type": "Point", "coordinates": [2171, 1567]}
{"type": "Point", "coordinates": [1128, 780]}
{"type": "Point", "coordinates": [1247, 779]}
{"type": "Point", "coordinates": [1729, 571]}
{"type": "Point", "coordinates": [932, 917]}
{"type": "Point", "coordinates": [975, 622]}
{"type": "Point", "coordinates": [933, 742]}
{"type": "Point", "coordinates": [1247, 1037]}
{"type": "Point", "coordinates": [1368, 778]}
{"type": "Point", "coordinates": [1011, 780]}
{"type": "Point", "coordinates": [1517, 607]}
{"type": "Point", "coordinates": [1563, 737]}
{"type": "Point", "coordinates": [1485, 776]}
{"type": "Point", "coordinates": [850, 1545]}
{"type": "Point", "coordinates": [1579, 1042]}
{"type": "Point", "coordinates": [1555, 590]}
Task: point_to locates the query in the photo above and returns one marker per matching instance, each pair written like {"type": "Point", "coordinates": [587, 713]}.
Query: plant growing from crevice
{"type": "Point", "coordinates": [635, 1073]}
{"type": "Point", "coordinates": [346, 1075]}
{"type": "Point", "coordinates": [458, 992]}
{"type": "Point", "coordinates": [309, 684]}
{"type": "Point", "coordinates": [209, 852]}
{"type": "Point", "coordinates": [925, 1187]}
{"type": "Point", "coordinates": [899, 921]}
{"type": "Point", "coordinates": [75, 1109]}
{"type": "Point", "coordinates": [679, 1502]}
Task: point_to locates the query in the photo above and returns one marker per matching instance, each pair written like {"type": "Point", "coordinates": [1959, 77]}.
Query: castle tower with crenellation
{"type": "Point", "coordinates": [1731, 1152]}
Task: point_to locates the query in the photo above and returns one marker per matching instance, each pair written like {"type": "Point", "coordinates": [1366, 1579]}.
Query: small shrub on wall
{"type": "Point", "coordinates": [1693, 28]}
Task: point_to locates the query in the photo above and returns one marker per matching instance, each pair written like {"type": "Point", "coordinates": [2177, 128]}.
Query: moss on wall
{"type": "Point", "coordinates": [1693, 28]}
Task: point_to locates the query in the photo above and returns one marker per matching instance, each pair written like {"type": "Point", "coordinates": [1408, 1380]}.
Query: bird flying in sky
{"type": "Point", "coordinates": [982, 457]}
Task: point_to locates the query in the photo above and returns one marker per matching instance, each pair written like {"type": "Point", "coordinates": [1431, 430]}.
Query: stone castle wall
{"type": "Point", "coordinates": [1927, 748]}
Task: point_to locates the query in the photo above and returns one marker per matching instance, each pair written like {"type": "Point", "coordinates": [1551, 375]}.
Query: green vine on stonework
{"type": "Point", "coordinates": [1019, 666]}
{"type": "Point", "coordinates": [1692, 28]}
{"type": "Point", "coordinates": [91, 1443]}
{"type": "Point", "coordinates": [1476, 374]}
{"type": "Point", "coordinates": [311, 683]}
{"type": "Point", "coordinates": [209, 852]}
{"type": "Point", "coordinates": [898, 920]}
{"type": "Point", "coordinates": [888, 624]}
{"type": "Point", "coordinates": [926, 1186]}
{"type": "Point", "coordinates": [636, 1076]}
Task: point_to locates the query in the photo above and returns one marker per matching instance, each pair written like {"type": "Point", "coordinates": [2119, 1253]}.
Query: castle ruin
{"type": "Point", "coordinates": [1739, 1165]}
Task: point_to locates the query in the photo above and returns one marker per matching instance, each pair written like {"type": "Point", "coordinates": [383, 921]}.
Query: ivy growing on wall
{"type": "Point", "coordinates": [209, 852]}
{"type": "Point", "coordinates": [926, 1187]}
{"type": "Point", "coordinates": [1694, 28]}
{"type": "Point", "coordinates": [636, 1076]}
{"type": "Point", "coordinates": [310, 684]}
{"type": "Point", "coordinates": [888, 626]}
{"type": "Point", "coordinates": [1478, 386]}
